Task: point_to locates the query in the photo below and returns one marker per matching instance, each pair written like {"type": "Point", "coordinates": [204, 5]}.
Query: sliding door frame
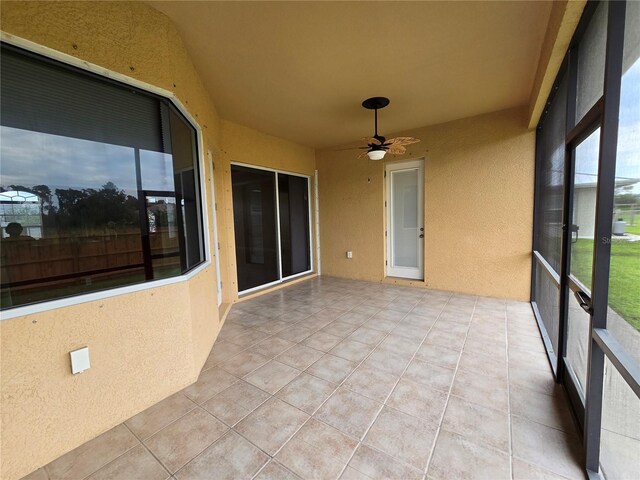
{"type": "Point", "coordinates": [279, 243]}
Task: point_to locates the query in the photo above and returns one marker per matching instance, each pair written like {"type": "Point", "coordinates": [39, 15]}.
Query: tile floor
{"type": "Point", "coordinates": [332, 378]}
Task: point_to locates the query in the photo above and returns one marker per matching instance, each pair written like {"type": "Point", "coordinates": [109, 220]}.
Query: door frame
{"type": "Point", "coordinates": [282, 279]}
{"type": "Point", "coordinates": [388, 168]}
{"type": "Point", "coordinates": [214, 215]}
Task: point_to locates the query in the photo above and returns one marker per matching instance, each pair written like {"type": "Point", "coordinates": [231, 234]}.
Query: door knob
{"type": "Point", "coordinates": [422, 235]}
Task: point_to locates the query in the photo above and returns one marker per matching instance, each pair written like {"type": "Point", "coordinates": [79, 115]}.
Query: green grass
{"type": "Point", "coordinates": [626, 216]}
{"type": "Point", "coordinates": [624, 275]}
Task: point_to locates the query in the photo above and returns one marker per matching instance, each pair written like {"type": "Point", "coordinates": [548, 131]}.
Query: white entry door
{"type": "Point", "coordinates": [404, 212]}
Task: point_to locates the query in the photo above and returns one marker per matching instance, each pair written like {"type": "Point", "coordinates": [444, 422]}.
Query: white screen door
{"type": "Point", "coordinates": [404, 212]}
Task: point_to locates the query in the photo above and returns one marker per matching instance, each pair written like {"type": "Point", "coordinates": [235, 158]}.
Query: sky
{"type": "Point", "coordinates": [34, 158]}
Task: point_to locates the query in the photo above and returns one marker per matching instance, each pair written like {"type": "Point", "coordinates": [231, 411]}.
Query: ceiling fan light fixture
{"type": "Point", "coordinates": [376, 154]}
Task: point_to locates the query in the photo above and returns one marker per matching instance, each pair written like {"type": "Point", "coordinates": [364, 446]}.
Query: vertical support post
{"type": "Point", "coordinates": [604, 219]}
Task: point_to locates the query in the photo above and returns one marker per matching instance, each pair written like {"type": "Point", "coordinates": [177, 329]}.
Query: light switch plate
{"type": "Point", "coordinates": [80, 360]}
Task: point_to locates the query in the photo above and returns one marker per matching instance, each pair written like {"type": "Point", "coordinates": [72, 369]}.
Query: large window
{"type": "Point", "coordinates": [99, 184]}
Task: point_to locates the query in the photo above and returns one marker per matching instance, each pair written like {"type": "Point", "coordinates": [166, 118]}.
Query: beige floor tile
{"type": "Point", "coordinates": [300, 356]}
{"type": "Point", "coordinates": [483, 364]}
{"type": "Point", "coordinates": [552, 411]}
{"type": "Point", "coordinates": [179, 442]}
{"type": "Point", "coordinates": [272, 347]}
{"type": "Point", "coordinates": [478, 424]}
{"type": "Point", "coordinates": [365, 309]}
{"type": "Point", "coordinates": [455, 457]}
{"type": "Point", "coordinates": [410, 331]}
{"type": "Point", "coordinates": [445, 339]}
{"type": "Point", "coordinates": [209, 383]}
{"type": "Point", "coordinates": [367, 335]}
{"type": "Point", "coordinates": [230, 458]}
{"type": "Point", "coordinates": [322, 341]}
{"type": "Point", "coordinates": [137, 463]}
{"type": "Point", "coordinates": [158, 416]}
{"type": "Point", "coordinates": [306, 392]}
{"type": "Point", "coordinates": [355, 318]}
{"type": "Point", "coordinates": [332, 369]}
{"type": "Point", "coordinates": [236, 402]}
{"type": "Point", "coordinates": [430, 375]}
{"type": "Point", "coordinates": [317, 451]}
{"type": "Point", "coordinates": [89, 457]}
{"type": "Point", "coordinates": [349, 412]}
{"type": "Point", "coordinates": [353, 474]}
{"type": "Point", "coordinates": [272, 376]}
{"type": "Point", "coordinates": [272, 326]}
{"type": "Point", "coordinates": [389, 314]}
{"type": "Point", "coordinates": [481, 389]}
{"type": "Point", "coordinates": [297, 333]}
{"type": "Point", "coordinates": [244, 363]}
{"type": "Point", "coordinates": [249, 338]}
{"type": "Point", "coordinates": [371, 382]}
{"type": "Point", "coordinates": [274, 471]}
{"type": "Point", "coordinates": [271, 425]}
{"type": "Point", "coordinates": [339, 328]}
{"type": "Point", "coordinates": [39, 474]}
{"type": "Point", "coordinates": [522, 359]}
{"type": "Point", "coordinates": [402, 436]}
{"type": "Point", "coordinates": [230, 330]}
{"type": "Point", "coordinates": [418, 400]}
{"type": "Point", "coordinates": [534, 379]}
{"type": "Point", "coordinates": [437, 355]}
{"type": "Point", "coordinates": [351, 350]}
{"type": "Point", "coordinates": [221, 351]}
{"type": "Point", "coordinates": [525, 471]}
{"type": "Point", "coordinates": [388, 361]}
{"type": "Point", "coordinates": [380, 466]}
{"type": "Point", "coordinates": [400, 344]}
{"type": "Point", "coordinates": [546, 447]}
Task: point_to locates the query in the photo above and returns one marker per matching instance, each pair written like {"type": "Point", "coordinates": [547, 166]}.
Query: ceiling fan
{"type": "Point", "coordinates": [378, 146]}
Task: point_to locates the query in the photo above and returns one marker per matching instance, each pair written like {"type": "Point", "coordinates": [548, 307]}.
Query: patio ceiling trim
{"type": "Point", "coordinates": [563, 21]}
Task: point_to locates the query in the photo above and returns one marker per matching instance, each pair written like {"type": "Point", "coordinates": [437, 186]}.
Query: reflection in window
{"type": "Point", "coordinates": [97, 181]}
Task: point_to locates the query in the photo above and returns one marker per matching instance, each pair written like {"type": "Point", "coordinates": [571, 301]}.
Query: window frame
{"type": "Point", "coordinates": [203, 227]}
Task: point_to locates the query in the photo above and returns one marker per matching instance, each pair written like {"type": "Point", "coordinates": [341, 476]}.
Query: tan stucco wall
{"type": "Point", "coordinates": [143, 346]}
{"type": "Point", "coordinates": [248, 146]}
{"type": "Point", "coordinates": [478, 206]}
{"type": "Point", "coordinates": [146, 345]}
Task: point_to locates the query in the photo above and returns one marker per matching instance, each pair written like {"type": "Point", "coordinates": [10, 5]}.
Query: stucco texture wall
{"type": "Point", "coordinates": [478, 206]}
{"type": "Point", "coordinates": [144, 346]}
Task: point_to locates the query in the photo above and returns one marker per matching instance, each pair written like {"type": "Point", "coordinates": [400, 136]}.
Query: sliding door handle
{"type": "Point", "coordinates": [584, 301]}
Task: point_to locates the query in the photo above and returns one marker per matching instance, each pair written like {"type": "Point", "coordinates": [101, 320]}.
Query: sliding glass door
{"type": "Point", "coordinates": [586, 268]}
{"type": "Point", "coordinates": [271, 223]}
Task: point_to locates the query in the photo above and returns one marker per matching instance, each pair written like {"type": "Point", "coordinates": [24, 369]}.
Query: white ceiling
{"type": "Point", "coordinates": [300, 70]}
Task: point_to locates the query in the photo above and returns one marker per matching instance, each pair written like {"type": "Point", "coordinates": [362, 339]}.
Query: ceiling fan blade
{"type": "Point", "coordinates": [373, 140]}
{"type": "Point", "coordinates": [350, 148]}
{"type": "Point", "coordinates": [363, 154]}
{"type": "Point", "coordinates": [402, 141]}
{"type": "Point", "coordinates": [396, 149]}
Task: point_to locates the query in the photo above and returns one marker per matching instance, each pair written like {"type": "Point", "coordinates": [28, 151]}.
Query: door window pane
{"type": "Point", "coordinates": [624, 281]}
{"type": "Point", "coordinates": [404, 218]}
{"type": "Point", "coordinates": [255, 226]}
{"type": "Point", "coordinates": [293, 197]}
{"type": "Point", "coordinates": [582, 239]}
